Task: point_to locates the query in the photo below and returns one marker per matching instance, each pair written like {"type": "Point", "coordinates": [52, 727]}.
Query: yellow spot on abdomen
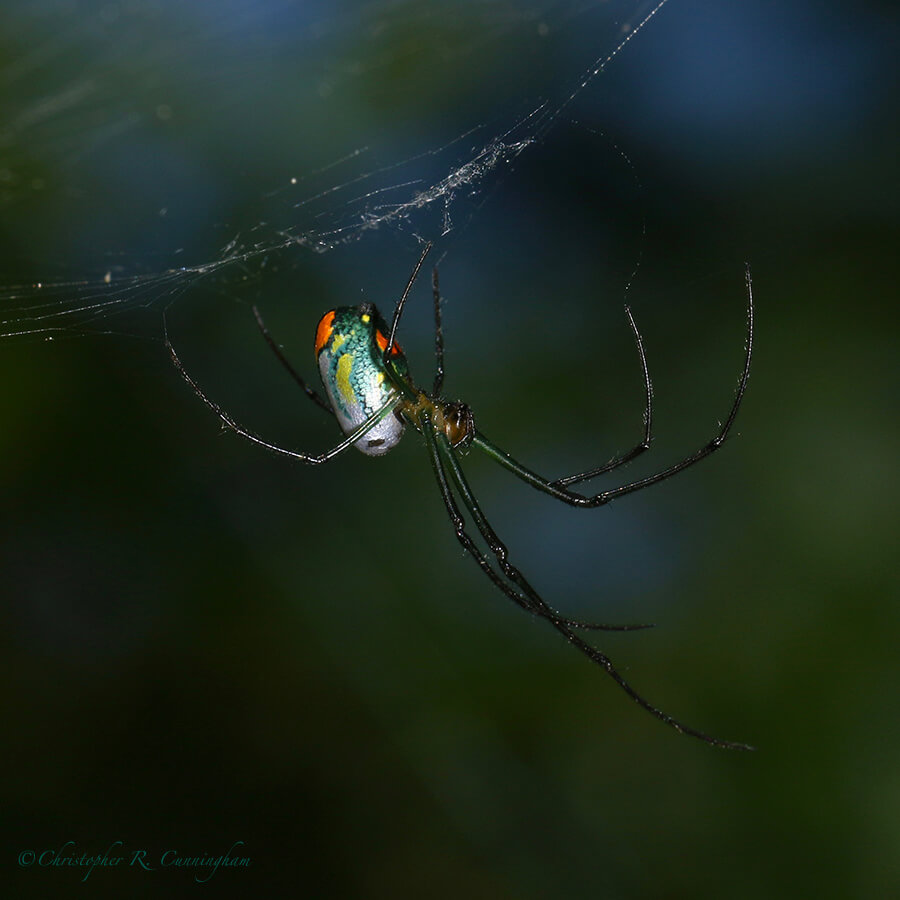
{"type": "Point", "coordinates": [342, 376]}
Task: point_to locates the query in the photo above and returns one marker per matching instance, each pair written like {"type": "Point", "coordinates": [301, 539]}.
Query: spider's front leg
{"type": "Point", "coordinates": [441, 453]}
{"type": "Point", "coordinates": [446, 426]}
{"type": "Point", "coordinates": [644, 443]}
{"type": "Point", "coordinates": [468, 544]}
{"type": "Point", "coordinates": [558, 489]}
{"type": "Point", "coordinates": [537, 604]}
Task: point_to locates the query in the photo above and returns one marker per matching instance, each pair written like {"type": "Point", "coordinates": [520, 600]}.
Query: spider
{"type": "Point", "coordinates": [370, 392]}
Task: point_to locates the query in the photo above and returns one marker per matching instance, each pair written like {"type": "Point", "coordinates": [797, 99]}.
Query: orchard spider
{"type": "Point", "coordinates": [371, 394]}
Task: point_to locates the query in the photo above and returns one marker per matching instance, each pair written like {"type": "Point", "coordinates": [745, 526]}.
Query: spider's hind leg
{"type": "Point", "coordinates": [312, 394]}
{"type": "Point", "coordinates": [229, 421]}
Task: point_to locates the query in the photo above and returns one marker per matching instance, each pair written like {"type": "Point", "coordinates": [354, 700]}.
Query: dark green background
{"type": "Point", "coordinates": [205, 644]}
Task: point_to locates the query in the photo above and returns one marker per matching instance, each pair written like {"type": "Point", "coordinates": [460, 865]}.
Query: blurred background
{"type": "Point", "coordinates": [204, 644]}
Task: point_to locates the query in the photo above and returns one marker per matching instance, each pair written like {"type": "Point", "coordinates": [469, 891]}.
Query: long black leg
{"type": "Point", "coordinates": [638, 449]}
{"type": "Point", "coordinates": [559, 624]}
{"type": "Point", "coordinates": [398, 311]}
{"type": "Point", "coordinates": [532, 603]}
{"type": "Point", "coordinates": [438, 336]}
{"type": "Point", "coordinates": [459, 523]}
{"type": "Point", "coordinates": [229, 422]}
{"type": "Point", "coordinates": [575, 499]}
{"type": "Point", "coordinates": [498, 548]}
{"type": "Point", "coordinates": [313, 395]}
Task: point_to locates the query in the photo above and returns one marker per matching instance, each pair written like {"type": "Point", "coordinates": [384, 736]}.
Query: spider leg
{"type": "Point", "coordinates": [438, 336]}
{"type": "Point", "coordinates": [498, 548]}
{"type": "Point", "coordinates": [561, 625]}
{"type": "Point", "coordinates": [453, 510]}
{"type": "Point", "coordinates": [576, 499]}
{"type": "Point", "coordinates": [638, 449]}
{"type": "Point", "coordinates": [312, 394]}
{"type": "Point", "coordinates": [230, 423]}
{"type": "Point", "coordinates": [398, 311]}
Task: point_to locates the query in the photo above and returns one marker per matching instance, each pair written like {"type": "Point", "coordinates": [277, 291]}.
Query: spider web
{"type": "Point", "coordinates": [328, 119]}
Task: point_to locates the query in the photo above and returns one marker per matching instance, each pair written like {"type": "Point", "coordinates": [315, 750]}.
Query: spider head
{"type": "Point", "coordinates": [458, 424]}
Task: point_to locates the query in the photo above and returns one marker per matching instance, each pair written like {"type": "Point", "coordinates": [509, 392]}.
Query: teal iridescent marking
{"type": "Point", "coordinates": [350, 347]}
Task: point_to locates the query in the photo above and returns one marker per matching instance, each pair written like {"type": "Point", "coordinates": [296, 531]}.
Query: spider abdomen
{"type": "Point", "coordinates": [350, 344]}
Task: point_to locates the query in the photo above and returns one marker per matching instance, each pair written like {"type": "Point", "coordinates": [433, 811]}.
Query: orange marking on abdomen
{"type": "Point", "coordinates": [324, 330]}
{"type": "Point", "coordinates": [381, 340]}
